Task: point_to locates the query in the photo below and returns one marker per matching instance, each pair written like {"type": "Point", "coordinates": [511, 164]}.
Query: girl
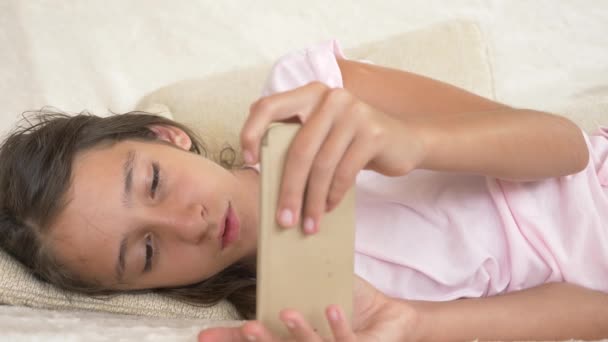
{"type": "Point", "coordinates": [459, 199]}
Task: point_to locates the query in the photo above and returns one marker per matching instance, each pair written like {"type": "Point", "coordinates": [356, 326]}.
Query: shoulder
{"type": "Point", "coordinates": [297, 68]}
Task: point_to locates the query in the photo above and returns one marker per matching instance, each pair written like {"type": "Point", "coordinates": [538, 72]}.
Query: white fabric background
{"type": "Point", "coordinates": [104, 55]}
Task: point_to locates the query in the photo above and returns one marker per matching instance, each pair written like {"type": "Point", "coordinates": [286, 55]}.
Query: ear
{"type": "Point", "coordinates": [172, 135]}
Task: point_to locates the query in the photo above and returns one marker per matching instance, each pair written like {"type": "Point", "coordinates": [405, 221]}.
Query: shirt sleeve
{"type": "Point", "coordinates": [597, 143]}
{"type": "Point", "coordinates": [298, 68]}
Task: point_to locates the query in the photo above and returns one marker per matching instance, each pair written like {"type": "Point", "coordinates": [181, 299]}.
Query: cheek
{"type": "Point", "coordinates": [184, 264]}
{"type": "Point", "coordinates": [207, 186]}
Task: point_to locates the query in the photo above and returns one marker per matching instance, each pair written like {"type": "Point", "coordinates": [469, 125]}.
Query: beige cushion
{"type": "Point", "coordinates": [216, 107]}
{"type": "Point", "coordinates": [589, 109]}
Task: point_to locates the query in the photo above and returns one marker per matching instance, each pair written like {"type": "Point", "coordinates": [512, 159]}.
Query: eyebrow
{"type": "Point", "coordinates": [126, 199]}
{"type": "Point", "coordinates": [127, 168]}
{"type": "Point", "coordinates": [120, 264]}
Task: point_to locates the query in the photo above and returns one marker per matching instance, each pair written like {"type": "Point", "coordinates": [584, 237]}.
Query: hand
{"type": "Point", "coordinates": [340, 135]}
{"type": "Point", "coordinates": [376, 318]}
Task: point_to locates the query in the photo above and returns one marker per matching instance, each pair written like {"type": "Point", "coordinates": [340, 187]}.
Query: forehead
{"type": "Point", "coordinates": [85, 234]}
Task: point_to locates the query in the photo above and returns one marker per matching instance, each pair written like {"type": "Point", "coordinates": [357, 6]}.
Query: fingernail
{"type": "Point", "coordinates": [248, 157]}
{"type": "Point", "coordinates": [334, 315]}
{"type": "Point", "coordinates": [286, 217]}
{"type": "Point", "coordinates": [309, 225]}
{"type": "Point", "coordinates": [290, 324]}
{"type": "Point", "coordinates": [250, 337]}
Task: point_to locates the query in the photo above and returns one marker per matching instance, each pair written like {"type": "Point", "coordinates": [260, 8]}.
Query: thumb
{"type": "Point", "coordinates": [220, 334]}
{"type": "Point", "coordinates": [367, 300]}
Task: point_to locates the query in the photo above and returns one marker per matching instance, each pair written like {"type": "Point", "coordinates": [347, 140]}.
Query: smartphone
{"type": "Point", "coordinates": [295, 270]}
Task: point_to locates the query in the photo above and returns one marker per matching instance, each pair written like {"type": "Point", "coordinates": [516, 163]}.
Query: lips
{"type": "Point", "coordinates": [230, 229]}
{"type": "Point", "coordinates": [222, 223]}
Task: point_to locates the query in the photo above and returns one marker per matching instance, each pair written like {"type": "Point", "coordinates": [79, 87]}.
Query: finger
{"type": "Point", "coordinates": [298, 102]}
{"type": "Point", "coordinates": [355, 158]}
{"type": "Point", "coordinates": [255, 331]}
{"type": "Point", "coordinates": [323, 170]}
{"type": "Point", "coordinates": [298, 161]}
{"type": "Point", "coordinates": [340, 327]}
{"type": "Point", "coordinates": [221, 334]}
{"type": "Point", "coordinates": [299, 328]}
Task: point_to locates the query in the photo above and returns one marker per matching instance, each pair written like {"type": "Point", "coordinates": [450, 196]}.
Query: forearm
{"type": "Point", "coordinates": [518, 145]}
{"type": "Point", "coordinates": [403, 94]}
{"type": "Point", "coordinates": [550, 312]}
{"type": "Point", "coordinates": [464, 132]}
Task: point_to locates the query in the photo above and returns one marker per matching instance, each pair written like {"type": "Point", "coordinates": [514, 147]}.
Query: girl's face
{"type": "Point", "coordinates": [159, 202]}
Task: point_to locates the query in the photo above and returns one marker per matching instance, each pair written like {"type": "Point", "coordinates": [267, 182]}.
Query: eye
{"type": "Point", "coordinates": [149, 253]}
{"type": "Point", "coordinates": [155, 179]}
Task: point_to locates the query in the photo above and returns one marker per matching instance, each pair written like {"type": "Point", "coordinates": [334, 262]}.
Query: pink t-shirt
{"type": "Point", "coordinates": [440, 236]}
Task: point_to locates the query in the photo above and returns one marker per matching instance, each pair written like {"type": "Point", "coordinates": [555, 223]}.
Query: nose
{"type": "Point", "coordinates": [188, 224]}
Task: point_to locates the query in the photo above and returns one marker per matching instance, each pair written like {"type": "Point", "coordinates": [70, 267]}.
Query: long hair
{"type": "Point", "coordinates": [35, 172]}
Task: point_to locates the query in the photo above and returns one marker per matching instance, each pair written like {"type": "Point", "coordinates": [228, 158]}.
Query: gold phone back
{"type": "Point", "coordinates": [294, 270]}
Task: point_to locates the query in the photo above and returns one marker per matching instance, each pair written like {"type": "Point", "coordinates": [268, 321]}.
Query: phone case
{"type": "Point", "coordinates": [294, 270]}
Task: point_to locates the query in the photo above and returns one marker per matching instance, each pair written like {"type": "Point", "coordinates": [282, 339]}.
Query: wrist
{"type": "Point", "coordinates": [412, 318]}
{"type": "Point", "coordinates": [422, 331]}
{"type": "Point", "coordinates": [427, 138]}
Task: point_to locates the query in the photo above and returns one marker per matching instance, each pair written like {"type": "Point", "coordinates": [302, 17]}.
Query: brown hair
{"type": "Point", "coordinates": [35, 170]}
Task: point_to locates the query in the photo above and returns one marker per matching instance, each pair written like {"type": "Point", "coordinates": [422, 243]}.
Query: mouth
{"type": "Point", "coordinates": [230, 229]}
